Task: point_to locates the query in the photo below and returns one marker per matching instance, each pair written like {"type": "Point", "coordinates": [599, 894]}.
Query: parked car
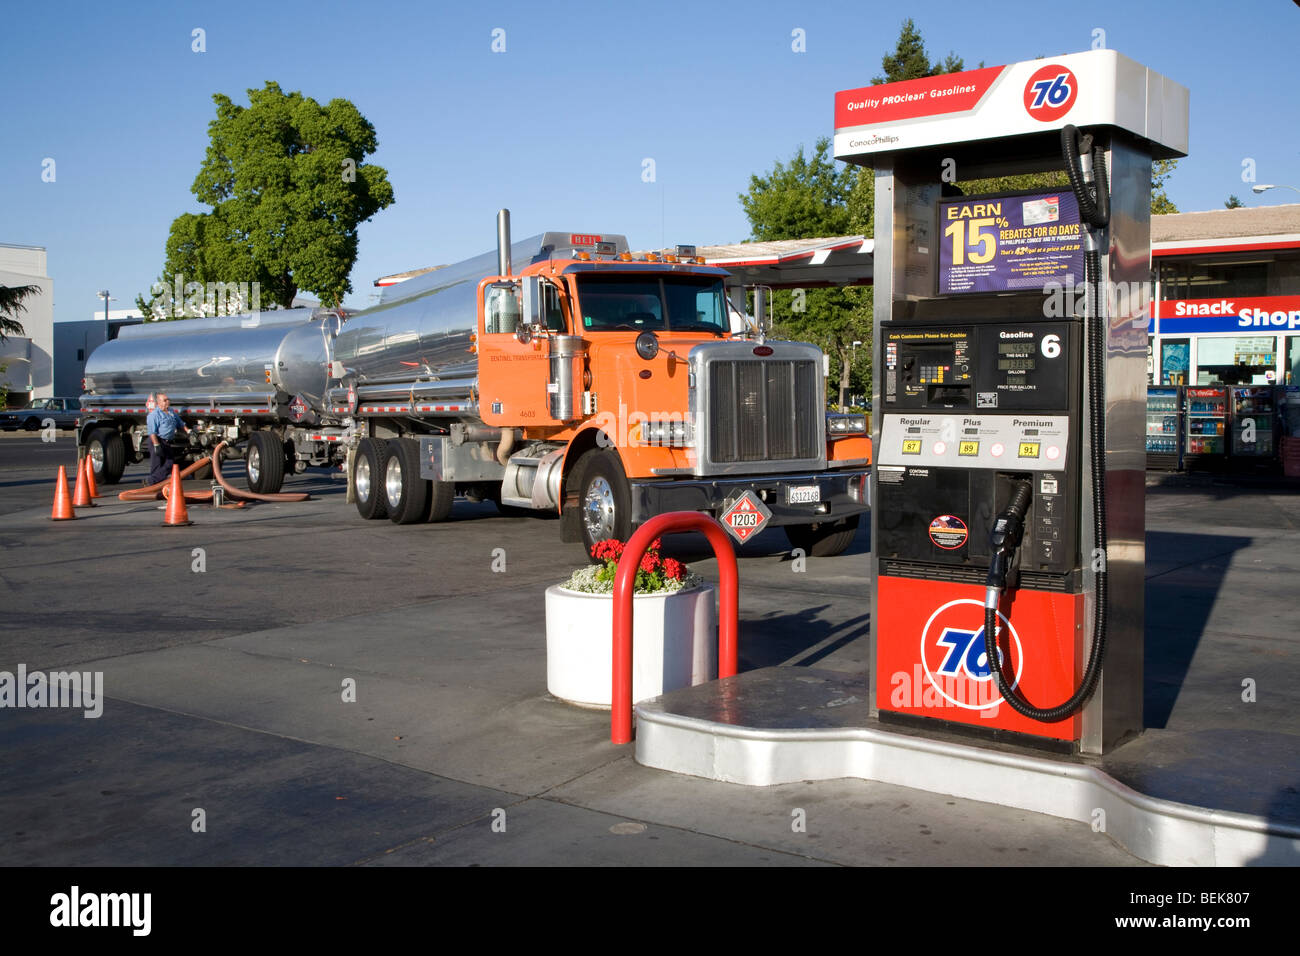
{"type": "Point", "coordinates": [64, 411]}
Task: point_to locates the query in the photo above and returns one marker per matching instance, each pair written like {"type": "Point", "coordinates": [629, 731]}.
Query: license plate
{"type": "Point", "coordinates": [803, 494]}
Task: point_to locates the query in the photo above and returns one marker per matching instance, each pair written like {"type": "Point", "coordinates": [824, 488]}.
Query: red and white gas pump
{"type": "Point", "coordinates": [1009, 391]}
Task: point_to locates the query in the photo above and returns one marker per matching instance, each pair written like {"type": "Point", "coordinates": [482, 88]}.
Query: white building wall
{"type": "Point", "coordinates": [25, 265]}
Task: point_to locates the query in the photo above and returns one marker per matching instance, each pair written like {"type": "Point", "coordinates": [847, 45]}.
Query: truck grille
{"type": "Point", "coordinates": [763, 411]}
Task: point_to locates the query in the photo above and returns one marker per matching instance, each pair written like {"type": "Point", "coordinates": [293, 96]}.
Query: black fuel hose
{"type": "Point", "coordinates": [1095, 209]}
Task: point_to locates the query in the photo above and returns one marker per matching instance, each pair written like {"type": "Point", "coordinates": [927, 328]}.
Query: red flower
{"type": "Point", "coordinates": [648, 563]}
{"type": "Point", "coordinates": [608, 550]}
{"type": "Point", "coordinates": [654, 545]}
{"type": "Point", "coordinates": [673, 568]}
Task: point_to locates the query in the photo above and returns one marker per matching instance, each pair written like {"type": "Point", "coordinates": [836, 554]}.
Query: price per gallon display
{"type": "Point", "coordinates": [1009, 243]}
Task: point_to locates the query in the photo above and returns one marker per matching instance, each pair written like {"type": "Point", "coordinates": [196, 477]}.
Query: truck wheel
{"type": "Point", "coordinates": [441, 496]}
{"type": "Point", "coordinates": [604, 499]}
{"type": "Point", "coordinates": [368, 478]}
{"type": "Point", "coordinates": [405, 493]}
{"type": "Point", "coordinates": [823, 540]}
{"type": "Point", "coordinates": [107, 455]}
{"type": "Point", "coordinates": [264, 463]}
{"type": "Point", "coordinates": [32, 425]}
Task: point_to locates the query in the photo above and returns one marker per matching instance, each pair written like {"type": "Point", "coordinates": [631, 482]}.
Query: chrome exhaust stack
{"type": "Point", "coordinates": [503, 242]}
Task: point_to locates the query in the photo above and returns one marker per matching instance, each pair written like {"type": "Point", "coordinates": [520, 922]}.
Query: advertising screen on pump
{"type": "Point", "coordinates": [1095, 88]}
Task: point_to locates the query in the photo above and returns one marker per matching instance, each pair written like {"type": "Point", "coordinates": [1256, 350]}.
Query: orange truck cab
{"type": "Point", "coordinates": [623, 391]}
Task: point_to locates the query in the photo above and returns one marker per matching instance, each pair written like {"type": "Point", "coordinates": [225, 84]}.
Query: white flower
{"type": "Point", "coordinates": [586, 581]}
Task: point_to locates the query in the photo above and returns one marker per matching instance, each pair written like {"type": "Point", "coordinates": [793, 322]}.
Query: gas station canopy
{"type": "Point", "coordinates": [796, 263]}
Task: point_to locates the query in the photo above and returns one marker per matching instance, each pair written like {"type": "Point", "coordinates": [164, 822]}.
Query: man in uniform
{"type": "Point", "coordinates": [162, 423]}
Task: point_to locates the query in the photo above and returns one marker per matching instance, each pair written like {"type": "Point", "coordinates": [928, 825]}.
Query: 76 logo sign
{"type": "Point", "coordinates": [1050, 93]}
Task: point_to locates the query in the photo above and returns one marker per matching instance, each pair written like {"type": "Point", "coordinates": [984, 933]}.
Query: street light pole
{"type": "Point", "coordinates": [1264, 187]}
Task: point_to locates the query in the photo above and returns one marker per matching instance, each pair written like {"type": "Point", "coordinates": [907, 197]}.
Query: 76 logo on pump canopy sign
{"type": "Point", "coordinates": [1050, 93]}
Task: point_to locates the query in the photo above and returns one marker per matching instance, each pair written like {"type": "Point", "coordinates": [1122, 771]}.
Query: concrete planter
{"type": "Point", "coordinates": [674, 643]}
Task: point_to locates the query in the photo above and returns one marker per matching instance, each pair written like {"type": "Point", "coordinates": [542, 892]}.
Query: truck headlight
{"type": "Point", "coordinates": [673, 433]}
{"type": "Point", "coordinates": [839, 424]}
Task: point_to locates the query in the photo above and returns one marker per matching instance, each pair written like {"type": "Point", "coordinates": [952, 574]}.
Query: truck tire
{"type": "Point", "coordinates": [32, 425]}
{"type": "Point", "coordinates": [264, 463]}
{"type": "Point", "coordinates": [368, 478]}
{"type": "Point", "coordinates": [604, 499]}
{"type": "Point", "coordinates": [406, 494]}
{"type": "Point", "coordinates": [824, 540]}
{"type": "Point", "coordinates": [441, 496]}
{"type": "Point", "coordinates": [107, 455]}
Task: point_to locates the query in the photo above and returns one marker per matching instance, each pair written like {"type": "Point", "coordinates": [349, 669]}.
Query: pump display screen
{"type": "Point", "coordinates": [1009, 242]}
{"type": "Point", "coordinates": [1016, 356]}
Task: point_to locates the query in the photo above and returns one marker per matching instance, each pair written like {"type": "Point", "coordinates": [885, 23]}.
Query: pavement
{"type": "Point", "coordinates": [292, 685]}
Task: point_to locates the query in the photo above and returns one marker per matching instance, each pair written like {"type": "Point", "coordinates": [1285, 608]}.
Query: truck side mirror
{"type": "Point", "coordinates": [532, 300]}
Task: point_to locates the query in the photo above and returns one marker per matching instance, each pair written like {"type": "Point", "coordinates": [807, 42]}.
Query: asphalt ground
{"type": "Point", "coordinates": [228, 647]}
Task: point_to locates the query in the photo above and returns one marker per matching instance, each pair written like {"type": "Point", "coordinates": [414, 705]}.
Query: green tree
{"type": "Point", "coordinates": [1161, 204]}
{"type": "Point", "coordinates": [288, 186]}
{"type": "Point", "coordinates": [1233, 202]}
{"type": "Point", "coordinates": [909, 61]}
{"type": "Point", "coordinates": [11, 306]}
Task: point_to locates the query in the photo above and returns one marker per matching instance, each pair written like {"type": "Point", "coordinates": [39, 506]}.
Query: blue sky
{"type": "Point", "coordinates": [556, 128]}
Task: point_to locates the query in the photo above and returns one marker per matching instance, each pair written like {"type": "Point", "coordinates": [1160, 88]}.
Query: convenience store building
{"type": "Point", "coordinates": [1226, 303]}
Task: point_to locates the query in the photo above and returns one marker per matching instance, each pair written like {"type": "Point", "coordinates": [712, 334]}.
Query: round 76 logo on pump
{"type": "Point", "coordinates": [953, 656]}
{"type": "Point", "coordinates": [1051, 92]}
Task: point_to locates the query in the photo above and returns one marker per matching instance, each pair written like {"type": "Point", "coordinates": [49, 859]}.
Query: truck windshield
{"type": "Point", "coordinates": [675, 303]}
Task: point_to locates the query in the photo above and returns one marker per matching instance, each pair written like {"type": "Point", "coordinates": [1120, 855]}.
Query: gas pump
{"type": "Point", "coordinates": [1007, 518]}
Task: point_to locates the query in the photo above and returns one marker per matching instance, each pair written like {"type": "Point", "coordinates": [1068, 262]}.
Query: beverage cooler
{"type": "Point", "coordinates": [1254, 424]}
{"type": "Point", "coordinates": [1164, 428]}
{"type": "Point", "coordinates": [1205, 412]}
{"type": "Point", "coordinates": [1288, 402]}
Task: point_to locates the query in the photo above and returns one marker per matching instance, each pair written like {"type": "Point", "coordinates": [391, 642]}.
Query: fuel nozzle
{"type": "Point", "coordinates": [1004, 537]}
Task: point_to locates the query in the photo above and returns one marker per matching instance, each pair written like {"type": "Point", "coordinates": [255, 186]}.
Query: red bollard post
{"type": "Point", "coordinates": [620, 715]}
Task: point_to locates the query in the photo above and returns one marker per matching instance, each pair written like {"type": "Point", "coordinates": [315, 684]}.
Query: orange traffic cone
{"type": "Point", "coordinates": [176, 513]}
{"type": "Point", "coordinates": [62, 499]}
{"type": "Point", "coordinates": [90, 480]}
{"type": "Point", "coordinates": [81, 497]}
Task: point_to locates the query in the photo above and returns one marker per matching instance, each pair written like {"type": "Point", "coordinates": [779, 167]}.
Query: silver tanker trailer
{"type": "Point", "coordinates": [253, 380]}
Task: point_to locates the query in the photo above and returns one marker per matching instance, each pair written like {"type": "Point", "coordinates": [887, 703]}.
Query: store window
{"type": "Point", "coordinates": [1213, 280]}
{"type": "Point", "coordinates": [1236, 360]}
{"type": "Point", "coordinates": [1291, 367]}
{"type": "Point", "coordinates": [1175, 361]}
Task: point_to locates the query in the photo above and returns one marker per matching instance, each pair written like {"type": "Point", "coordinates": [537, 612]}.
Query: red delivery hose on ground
{"type": "Point", "coordinates": [240, 495]}
{"type": "Point", "coordinates": [155, 492]}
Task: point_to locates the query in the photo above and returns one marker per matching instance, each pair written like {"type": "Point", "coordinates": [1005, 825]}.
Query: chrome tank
{"type": "Point", "coordinates": [425, 322]}
{"type": "Point", "coordinates": [196, 361]}
{"type": "Point", "coordinates": [421, 328]}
